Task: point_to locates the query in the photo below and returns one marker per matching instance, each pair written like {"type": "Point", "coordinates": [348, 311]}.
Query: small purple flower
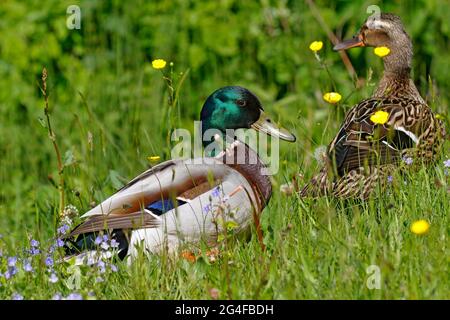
{"type": "Point", "coordinates": [90, 261]}
{"type": "Point", "coordinates": [57, 296]}
{"type": "Point", "coordinates": [59, 243]}
{"type": "Point", "coordinates": [17, 296]}
{"type": "Point", "coordinates": [12, 261]}
{"type": "Point", "coordinates": [447, 163]}
{"type": "Point", "coordinates": [63, 229]}
{"type": "Point", "coordinates": [101, 266]}
{"type": "Point", "coordinates": [114, 243]}
{"type": "Point", "coordinates": [216, 192]}
{"type": "Point", "coordinates": [390, 179]}
{"type": "Point", "coordinates": [27, 266]}
{"type": "Point", "coordinates": [113, 268]}
{"type": "Point", "coordinates": [34, 251]}
{"type": "Point", "coordinates": [105, 238]}
{"type": "Point", "coordinates": [34, 243]}
{"type": "Point", "coordinates": [104, 246]}
{"type": "Point", "coordinates": [98, 240]}
{"type": "Point", "coordinates": [207, 208]}
{"type": "Point", "coordinates": [74, 296]}
{"type": "Point", "coordinates": [408, 160]}
{"type": "Point", "coordinates": [13, 270]}
{"type": "Point", "coordinates": [53, 278]}
{"type": "Point", "coordinates": [51, 249]}
{"type": "Point", "coordinates": [7, 275]}
{"type": "Point", "coordinates": [49, 261]}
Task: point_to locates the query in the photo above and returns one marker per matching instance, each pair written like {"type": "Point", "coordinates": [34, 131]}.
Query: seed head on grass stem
{"type": "Point", "coordinates": [52, 137]}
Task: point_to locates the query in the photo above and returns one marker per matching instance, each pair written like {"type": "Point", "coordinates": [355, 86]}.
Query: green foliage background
{"type": "Point", "coordinates": [107, 135]}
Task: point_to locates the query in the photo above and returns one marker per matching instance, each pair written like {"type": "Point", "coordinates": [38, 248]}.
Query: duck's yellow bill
{"type": "Point", "coordinates": [268, 126]}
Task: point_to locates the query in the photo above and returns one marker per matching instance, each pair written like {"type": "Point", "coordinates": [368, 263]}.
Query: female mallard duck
{"type": "Point", "coordinates": [366, 148]}
{"type": "Point", "coordinates": [191, 200]}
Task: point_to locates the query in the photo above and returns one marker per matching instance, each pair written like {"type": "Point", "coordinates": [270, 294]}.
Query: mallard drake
{"type": "Point", "coordinates": [187, 201]}
{"type": "Point", "coordinates": [365, 150]}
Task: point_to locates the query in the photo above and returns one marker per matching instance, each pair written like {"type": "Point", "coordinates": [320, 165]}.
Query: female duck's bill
{"type": "Point", "coordinates": [356, 41]}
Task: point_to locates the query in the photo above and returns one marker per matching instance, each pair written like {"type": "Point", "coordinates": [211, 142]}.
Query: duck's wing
{"type": "Point", "coordinates": [360, 142]}
{"type": "Point", "coordinates": [137, 204]}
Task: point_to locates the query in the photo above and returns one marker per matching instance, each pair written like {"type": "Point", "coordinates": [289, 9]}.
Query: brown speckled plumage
{"type": "Point", "coordinates": [363, 153]}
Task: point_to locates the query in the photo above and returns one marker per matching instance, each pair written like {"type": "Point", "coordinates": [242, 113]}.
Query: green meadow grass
{"type": "Point", "coordinates": [109, 110]}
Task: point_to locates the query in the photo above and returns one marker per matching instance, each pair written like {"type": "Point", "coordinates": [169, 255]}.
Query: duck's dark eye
{"type": "Point", "coordinates": [241, 102]}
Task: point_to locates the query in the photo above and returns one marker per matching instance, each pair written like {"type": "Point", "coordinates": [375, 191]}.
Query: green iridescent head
{"type": "Point", "coordinates": [235, 108]}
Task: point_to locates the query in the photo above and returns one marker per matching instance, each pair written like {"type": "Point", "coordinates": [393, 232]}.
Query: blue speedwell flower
{"type": "Point", "coordinates": [114, 243]}
{"type": "Point", "coordinates": [447, 163]}
{"type": "Point", "coordinates": [101, 266]}
{"type": "Point", "coordinates": [53, 278]}
{"type": "Point", "coordinates": [98, 240]}
{"type": "Point", "coordinates": [17, 296]}
{"type": "Point", "coordinates": [13, 270]}
{"type": "Point", "coordinates": [34, 243]}
{"type": "Point", "coordinates": [216, 192]}
{"type": "Point", "coordinates": [59, 243]}
{"type": "Point", "coordinates": [408, 160]}
{"type": "Point", "coordinates": [74, 296]}
{"type": "Point", "coordinates": [51, 249]}
{"type": "Point", "coordinates": [49, 261]}
{"type": "Point", "coordinates": [57, 296]}
{"type": "Point", "coordinates": [207, 208]}
{"type": "Point", "coordinates": [34, 251]}
{"type": "Point", "coordinates": [27, 266]}
{"type": "Point", "coordinates": [63, 229]}
{"type": "Point", "coordinates": [12, 261]}
{"type": "Point", "coordinates": [10, 272]}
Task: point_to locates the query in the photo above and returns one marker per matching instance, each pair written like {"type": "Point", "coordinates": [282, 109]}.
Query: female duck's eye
{"type": "Point", "coordinates": [241, 102]}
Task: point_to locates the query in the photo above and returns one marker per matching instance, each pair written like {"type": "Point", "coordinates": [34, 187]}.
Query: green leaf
{"type": "Point", "coordinates": [116, 179]}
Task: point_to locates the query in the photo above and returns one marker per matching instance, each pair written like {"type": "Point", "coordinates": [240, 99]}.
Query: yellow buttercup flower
{"type": "Point", "coordinates": [382, 51]}
{"type": "Point", "coordinates": [332, 97]}
{"type": "Point", "coordinates": [159, 63]}
{"type": "Point", "coordinates": [379, 117]}
{"type": "Point", "coordinates": [316, 46]}
{"type": "Point", "coordinates": [420, 227]}
{"type": "Point", "coordinates": [153, 158]}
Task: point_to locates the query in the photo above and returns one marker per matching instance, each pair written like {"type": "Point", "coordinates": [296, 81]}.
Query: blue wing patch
{"type": "Point", "coordinates": [162, 206]}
